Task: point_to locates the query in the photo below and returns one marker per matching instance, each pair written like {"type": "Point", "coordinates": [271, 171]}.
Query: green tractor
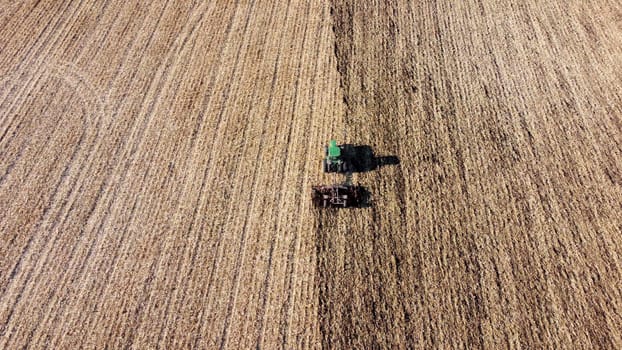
{"type": "Point", "coordinates": [334, 161]}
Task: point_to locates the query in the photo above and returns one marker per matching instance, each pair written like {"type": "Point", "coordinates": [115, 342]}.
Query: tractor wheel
{"type": "Point", "coordinates": [346, 167]}
{"type": "Point", "coordinates": [325, 165]}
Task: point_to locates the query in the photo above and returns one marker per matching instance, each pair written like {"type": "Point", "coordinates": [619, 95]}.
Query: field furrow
{"type": "Point", "coordinates": [157, 159]}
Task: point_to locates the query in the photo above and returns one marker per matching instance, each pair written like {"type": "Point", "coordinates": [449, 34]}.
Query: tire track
{"type": "Point", "coordinates": [160, 262]}
{"type": "Point", "coordinates": [32, 60]}
{"type": "Point", "coordinates": [234, 175]}
{"type": "Point", "coordinates": [240, 255]}
{"type": "Point", "coordinates": [93, 102]}
{"type": "Point", "coordinates": [74, 247]}
{"type": "Point", "coordinates": [16, 131]}
{"type": "Point", "coordinates": [199, 127]}
{"type": "Point", "coordinates": [284, 325]}
{"type": "Point", "coordinates": [208, 174]}
{"type": "Point", "coordinates": [54, 224]}
{"type": "Point", "coordinates": [265, 290]}
{"type": "Point", "coordinates": [63, 74]}
{"type": "Point", "coordinates": [278, 199]}
{"type": "Point", "coordinates": [164, 71]}
{"type": "Point", "coordinates": [202, 190]}
{"type": "Point", "coordinates": [58, 182]}
{"type": "Point", "coordinates": [97, 128]}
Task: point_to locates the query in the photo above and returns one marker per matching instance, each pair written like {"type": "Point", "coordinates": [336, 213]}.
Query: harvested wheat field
{"type": "Point", "coordinates": [157, 158]}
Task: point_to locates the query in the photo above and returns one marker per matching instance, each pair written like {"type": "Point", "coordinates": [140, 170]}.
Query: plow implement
{"type": "Point", "coordinates": [338, 196]}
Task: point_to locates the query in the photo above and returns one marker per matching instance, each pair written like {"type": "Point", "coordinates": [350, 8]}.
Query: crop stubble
{"type": "Point", "coordinates": [155, 164]}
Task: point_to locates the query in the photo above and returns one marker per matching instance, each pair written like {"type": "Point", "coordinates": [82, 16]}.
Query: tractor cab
{"type": "Point", "coordinates": [334, 152]}
{"type": "Point", "coordinates": [334, 162]}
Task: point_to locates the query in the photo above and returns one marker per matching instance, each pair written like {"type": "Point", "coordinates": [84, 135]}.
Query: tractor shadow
{"type": "Point", "coordinates": [362, 158]}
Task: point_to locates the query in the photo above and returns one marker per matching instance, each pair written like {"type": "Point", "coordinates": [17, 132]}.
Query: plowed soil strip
{"type": "Point", "coordinates": [455, 252]}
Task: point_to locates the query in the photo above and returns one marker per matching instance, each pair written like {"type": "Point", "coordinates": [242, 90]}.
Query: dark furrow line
{"type": "Point", "coordinates": [199, 126]}
{"type": "Point", "coordinates": [284, 321]}
{"type": "Point", "coordinates": [263, 291]}
{"type": "Point", "coordinates": [450, 128]}
{"type": "Point", "coordinates": [221, 113]}
{"type": "Point", "coordinates": [193, 144]}
{"type": "Point", "coordinates": [158, 263]}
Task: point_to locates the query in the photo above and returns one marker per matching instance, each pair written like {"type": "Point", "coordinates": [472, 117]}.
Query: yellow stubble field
{"type": "Point", "coordinates": [156, 162]}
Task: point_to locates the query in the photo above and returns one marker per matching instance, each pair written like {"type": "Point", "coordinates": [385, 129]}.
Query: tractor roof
{"type": "Point", "coordinates": [333, 149]}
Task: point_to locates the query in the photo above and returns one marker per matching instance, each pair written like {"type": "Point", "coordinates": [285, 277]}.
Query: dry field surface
{"type": "Point", "coordinates": [156, 159]}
